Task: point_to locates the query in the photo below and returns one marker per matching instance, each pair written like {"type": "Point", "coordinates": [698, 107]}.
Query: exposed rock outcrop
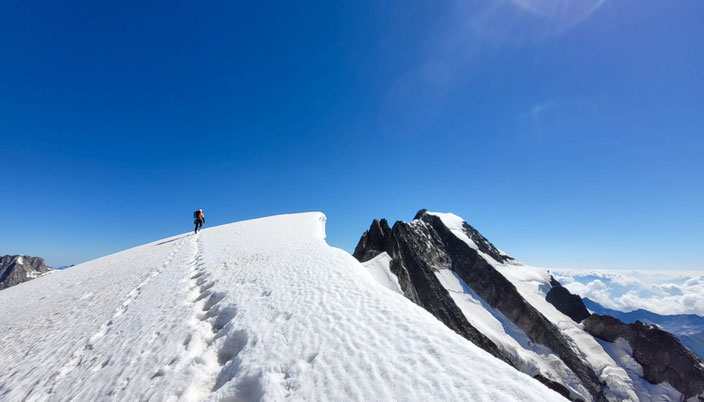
{"type": "Point", "coordinates": [416, 252]}
{"type": "Point", "coordinates": [480, 241]}
{"type": "Point", "coordinates": [662, 356]}
{"type": "Point", "coordinates": [374, 241]}
{"type": "Point", "coordinates": [15, 269]}
{"type": "Point", "coordinates": [555, 386]}
{"type": "Point", "coordinates": [567, 303]}
{"type": "Point", "coordinates": [425, 245]}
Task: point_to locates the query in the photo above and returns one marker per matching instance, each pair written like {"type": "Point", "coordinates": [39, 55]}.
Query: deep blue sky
{"type": "Point", "coordinates": [569, 135]}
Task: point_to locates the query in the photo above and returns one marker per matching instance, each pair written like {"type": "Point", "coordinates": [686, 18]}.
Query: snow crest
{"type": "Point", "coordinates": [256, 310]}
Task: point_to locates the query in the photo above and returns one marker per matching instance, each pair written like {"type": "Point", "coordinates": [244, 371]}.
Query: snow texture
{"type": "Point", "coordinates": [379, 268]}
{"type": "Point", "coordinates": [256, 310]}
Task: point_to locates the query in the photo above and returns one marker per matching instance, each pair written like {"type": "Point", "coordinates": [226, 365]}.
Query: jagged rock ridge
{"type": "Point", "coordinates": [415, 274]}
{"type": "Point", "coordinates": [15, 269]}
{"type": "Point", "coordinates": [423, 251]}
{"type": "Point", "coordinates": [425, 245]}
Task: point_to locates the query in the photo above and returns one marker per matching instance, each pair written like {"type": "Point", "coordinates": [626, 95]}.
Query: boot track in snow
{"type": "Point", "coordinates": [255, 310]}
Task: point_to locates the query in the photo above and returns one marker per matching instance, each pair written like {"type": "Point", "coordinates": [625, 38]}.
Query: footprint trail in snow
{"type": "Point", "coordinates": [255, 310]}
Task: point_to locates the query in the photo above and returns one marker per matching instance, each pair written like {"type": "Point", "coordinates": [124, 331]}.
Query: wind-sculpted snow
{"type": "Point", "coordinates": [257, 310]}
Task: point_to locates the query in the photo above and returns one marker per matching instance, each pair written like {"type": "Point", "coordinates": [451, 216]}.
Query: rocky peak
{"type": "Point", "coordinates": [480, 241]}
{"type": "Point", "coordinates": [374, 241]}
{"type": "Point", "coordinates": [15, 269]}
{"type": "Point", "coordinates": [426, 245]}
{"type": "Point", "coordinates": [416, 252]}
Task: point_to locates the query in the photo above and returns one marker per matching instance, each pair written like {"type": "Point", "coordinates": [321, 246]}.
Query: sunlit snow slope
{"type": "Point", "coordinates": [262, 309]}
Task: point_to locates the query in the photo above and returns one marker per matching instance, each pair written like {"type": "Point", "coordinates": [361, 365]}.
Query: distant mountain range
{"type": "Point", "coordinates": [688, 328]}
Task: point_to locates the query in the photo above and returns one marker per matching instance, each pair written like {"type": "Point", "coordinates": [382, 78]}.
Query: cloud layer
{"type": "Point", "coordinates": [659, 292]}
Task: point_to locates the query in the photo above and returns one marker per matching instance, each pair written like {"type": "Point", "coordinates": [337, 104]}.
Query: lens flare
{"type": "Point", "coordinates": [567, 12]}
{"type": "Point", "coordinates": [527, 20]}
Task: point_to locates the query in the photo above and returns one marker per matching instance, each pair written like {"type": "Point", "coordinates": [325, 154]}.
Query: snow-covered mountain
{"type": "Point", "coordinates": [15, 269]}
{"type": "Point", "coordinates": [256, 310]}
{"type": "Point", "coordinates": [522, 315]}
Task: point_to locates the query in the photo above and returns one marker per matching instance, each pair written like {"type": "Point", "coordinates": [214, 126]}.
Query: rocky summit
{"type": "Point", "coordinates": [519, 314]}
{"type": "Point", "coordinates": [15, 269]}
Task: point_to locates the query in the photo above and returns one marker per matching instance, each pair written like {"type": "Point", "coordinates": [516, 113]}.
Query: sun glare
{"type": "Point", "coordinates": [564, 11]}
{"type": "Point", "coordinates": [528, 20]}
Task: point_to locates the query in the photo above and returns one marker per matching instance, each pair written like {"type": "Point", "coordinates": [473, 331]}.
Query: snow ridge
{"type": "Point", "coordinates": [256, 310]}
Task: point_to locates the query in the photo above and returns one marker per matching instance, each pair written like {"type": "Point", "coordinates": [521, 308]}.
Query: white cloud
{"type": "Point", "coordinates": [656, 291]}
{"type": "Point", "coordinates": [669, 288]}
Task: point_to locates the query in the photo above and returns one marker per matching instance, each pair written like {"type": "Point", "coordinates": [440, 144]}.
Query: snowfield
{"type": "Point", "coordinates": [255, 310]}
